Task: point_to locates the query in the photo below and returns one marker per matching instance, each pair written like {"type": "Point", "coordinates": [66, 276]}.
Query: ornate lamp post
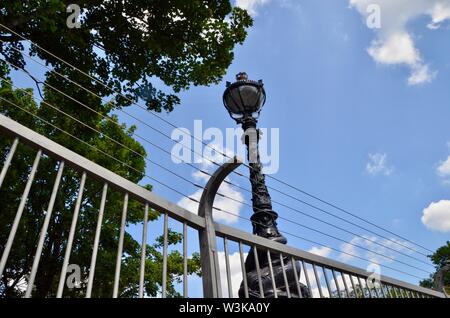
{"type": "Point", "coordinates": [244, 100]}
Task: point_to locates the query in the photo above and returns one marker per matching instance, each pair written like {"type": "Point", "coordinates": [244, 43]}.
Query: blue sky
{"type": "Point", "coordinates": [362, 114]}
{"type": "Point", "coordinates": [353, 129]}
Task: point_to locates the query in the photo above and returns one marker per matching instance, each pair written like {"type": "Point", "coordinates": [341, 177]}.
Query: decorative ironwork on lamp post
{"type": "Point", "coordinates": [244, 100]}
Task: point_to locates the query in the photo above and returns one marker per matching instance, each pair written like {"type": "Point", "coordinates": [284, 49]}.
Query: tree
{"type": "Point", "coordinates": [22, 253]}
{"type": "Point", "coordinates": [441, 260]}
{"type": "Point", "coordinates": [129, 44]}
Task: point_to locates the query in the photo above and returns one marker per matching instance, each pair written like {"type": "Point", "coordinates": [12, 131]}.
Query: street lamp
{"type": "Point", "coordinates": [244, 100]}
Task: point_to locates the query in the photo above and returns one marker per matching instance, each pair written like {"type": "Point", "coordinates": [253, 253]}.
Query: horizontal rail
{"type": "Point", "coordinates": [252, 240]}
{"type": "Point", "coordinates": [320, 265]}
{"type": "Point", "coordinates": [74, 160]}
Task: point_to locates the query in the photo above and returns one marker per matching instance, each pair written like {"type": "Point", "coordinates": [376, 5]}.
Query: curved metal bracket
{"type": "Point", "coordinates": [207, 236]}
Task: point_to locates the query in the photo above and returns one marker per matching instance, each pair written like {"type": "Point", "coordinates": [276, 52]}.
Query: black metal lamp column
{"type": "Point", "coordinates": [244, 100]}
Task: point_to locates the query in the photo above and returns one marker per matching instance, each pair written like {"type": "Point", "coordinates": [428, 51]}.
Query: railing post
{"type": "Point", "coordinates": [207, 236]}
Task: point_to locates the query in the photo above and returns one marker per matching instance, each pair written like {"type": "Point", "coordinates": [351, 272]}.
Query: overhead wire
{"type": "Point", "coordinates": [235, 185]}
{"type": "Point", "coordinates": [197, 185]}
{"type": "Point", "coordinates": [187, 180]}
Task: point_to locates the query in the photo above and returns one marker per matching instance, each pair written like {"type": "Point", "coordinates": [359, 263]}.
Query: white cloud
{"type": "Point", "coordinates": [394, 44]}
{"type": "Point", "coordinates": [321, 251]}
{"type": "Point", "coordinates": [444, 168]}
{"type": "Point", "coordinates": [377, 247]}
{"type": "Point", "coordinates": [436, 216]}
{"type": "Point", "coordinates": [251, 6]}
{"type": "Point", "coordinates": [398, 48]}
{"type": "Point", "coordinates": [349, 249]}
{"type": "Point", "coordinates": [378, 165]}
{"type": "Point", "coordinates": [235, 273]}
{"type": "Point", "coordinates": [223, 203]}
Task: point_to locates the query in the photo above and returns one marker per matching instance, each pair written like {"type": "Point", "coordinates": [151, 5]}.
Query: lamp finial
{"type": "Point", "coordinates": [242, 76]}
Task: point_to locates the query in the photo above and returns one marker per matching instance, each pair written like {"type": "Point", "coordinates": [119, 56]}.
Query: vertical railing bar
{"type": "Point", "coordinates": [227, 266]}
{"type": "Point", "coordinates": [8, 160]}
{"type": "Point", "coordinates": [185, 261]}
{"type": "Point", "coordinates": [376, 290]}
{"type": "Point", "coordinates": [400, 289]}
{"type": "Point", "coordinates": [355, 292]}
{"type": "Point", "coordinates": [395, 292]}
{"type": "Point", "coordinates": [272, 276]}
{"type": "Point", "coordinates": [62, 278]}
{"type": "Point", "coordinates": [96, 241]}
{"type": "Point", "coordinates": [327, 282]}
{"type": "Point", "coordinates": [361, 287]}
{"type": "Point", "coordinates": [385, 291]}
{"type": "Point", "coordinates": [388, 291]}
{"type": "Point", "coordinates": [392, 291]}
{"type": "Point", "coordinates": [288, 292]}
{"type": "Point", "coordinates": [336, 282]}
{"type": "Point", "coordinates": [165, 247]}
{"type": "Point", "coordinates": [143, 252]}
{"type": "Point", "coordinates": [317, 280]}
{"type": "Point", "coordinates": [403, 293]}
{"type": "Point", "coordinates": [382, 290]}
{"type": "Point", "coordinates": [308, 283]}
{"type": "Point", "coordinates": [347, 291]}
{"type": "Point", "coordinates": [15, 225]}
{"type": "Point", "coordinates": [244, 274]}
{"type": "Point", "coordinates": [297, 279]}
{"type": "Point", "coordinates": [258, 272]}
{"type": "Point", "coordinates": [368, 287]}
{"type": "Point", "coordinates": [48, 214]}
{"type": "Point", "coordinates": [120, 247]}
{"type": "Point", "coordinates": [406, 291]}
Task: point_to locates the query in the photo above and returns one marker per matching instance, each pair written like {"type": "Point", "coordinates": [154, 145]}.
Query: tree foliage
{"type": "Point", "coordinates": [24, 247]}
{"type": "Point", "coordinates": [440, 258]}
{"type": "Point", "coordinates": [149, 49]}
{"type": "Point", "coordinates": [130, 45]}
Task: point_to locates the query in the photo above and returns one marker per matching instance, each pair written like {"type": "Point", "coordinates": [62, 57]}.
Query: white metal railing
{"type": "Point", "coordinates": [316, 276]}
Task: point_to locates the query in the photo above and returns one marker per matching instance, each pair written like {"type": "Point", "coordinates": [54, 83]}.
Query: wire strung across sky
{"type": "Point", "coordinates": [215, 163]}
{"type": "Point", "coordinates": [283, 182]}
{"type": "Point", "coordinates": [225, 155]}
{"type": "Point", "coordinates": [198, 186]}
{"type": "Point", "coordinates": [216, 208]}
{"type": "Point", "coordinates": [192, 183]}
